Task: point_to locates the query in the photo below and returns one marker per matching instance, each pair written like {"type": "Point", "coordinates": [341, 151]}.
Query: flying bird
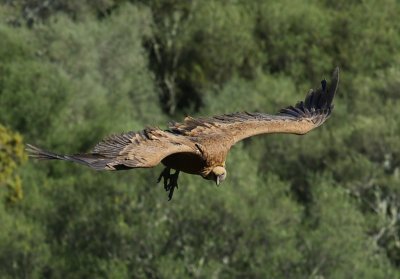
{"type": "Point", "coordinates": [200, 145]}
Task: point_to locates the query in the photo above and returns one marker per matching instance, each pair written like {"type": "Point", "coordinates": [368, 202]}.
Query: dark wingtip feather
{"type": "Point", "coordinates": [93, 161]}
{"type": "Point", "coordinates": [38, 153]}
{"type": "Point", "coordinates": [333, 85]}
{"type": "Point", "coordinates": [317, 101]}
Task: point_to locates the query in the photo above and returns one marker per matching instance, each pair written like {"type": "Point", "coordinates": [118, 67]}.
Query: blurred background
{"type": "Point", "coordinates": [324, 205]}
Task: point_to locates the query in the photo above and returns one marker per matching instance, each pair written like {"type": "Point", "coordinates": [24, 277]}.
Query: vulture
{"type": "Point", "coordinates": [200, 145]}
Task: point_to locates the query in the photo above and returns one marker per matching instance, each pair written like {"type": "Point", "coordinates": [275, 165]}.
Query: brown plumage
{"type": "Point", "coordinates": [200, 145]}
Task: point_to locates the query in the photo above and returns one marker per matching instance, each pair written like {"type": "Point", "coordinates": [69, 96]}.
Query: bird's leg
{"type": "Point", "coordinates": [170, 181]}
{"type": "Point", "coordinates": [166, 174]}
{"type": "Point", "coordinates": [173, 183]}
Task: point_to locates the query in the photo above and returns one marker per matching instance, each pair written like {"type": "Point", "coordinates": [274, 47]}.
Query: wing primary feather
{"type": "Point", "coordinates": [308, 99]}
{"type": "Point", "coordinates": [318, 103]}
{"type": "Point", "coordinates": [97, 162]}
{"type": "Point", "coordinates": [323, 85]}
{"type": "Point", "coordinates": [333, 85]}
{"type": "Point", "coordinates": [322, 100]}
{"type": "Point", "coordinates": [289, 111]}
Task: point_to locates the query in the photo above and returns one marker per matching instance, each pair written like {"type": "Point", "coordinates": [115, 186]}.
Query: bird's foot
{"type": "Point", "coordinates": [173, 184]}
{"type": "Point", "coordinates": [164, 174]}
{"type": "Point", "coordinates": [170, 181]}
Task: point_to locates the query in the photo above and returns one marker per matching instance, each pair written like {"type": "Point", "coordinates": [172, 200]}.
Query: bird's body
{"type": "Point", "coordinates": [200, 145]}
{"type": "Point", "coordinates": [186, 162]}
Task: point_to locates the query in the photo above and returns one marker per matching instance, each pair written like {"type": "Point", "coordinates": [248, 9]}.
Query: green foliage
{"type": "Point", "coordinates": [324, 205]}
{"type": "Point", "coordinates": [303, 30]}
{"type": "Point", "coordinates": [11, 157]}
{"type": "Point", "coordinates": [85, 76]}
{"type": "Point", "coordinates": [23, 250]}
{"type": "Point", "coordinates": [369, 38]}
{"type": "Point", "coordinates": [334, 208]}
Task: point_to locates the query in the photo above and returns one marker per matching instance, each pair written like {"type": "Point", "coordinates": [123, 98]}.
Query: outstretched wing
{"type": "Point", "coordinates": [142, 149]}
{"type": "Point", "coordinates": [298, 119]}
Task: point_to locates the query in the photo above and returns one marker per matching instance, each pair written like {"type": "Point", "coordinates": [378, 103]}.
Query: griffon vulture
{"type": "Point", "coordinates": [200, 145]}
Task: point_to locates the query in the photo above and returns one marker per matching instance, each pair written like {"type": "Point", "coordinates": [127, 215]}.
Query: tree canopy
{"type": "Point", "coordinates": [324, 205]}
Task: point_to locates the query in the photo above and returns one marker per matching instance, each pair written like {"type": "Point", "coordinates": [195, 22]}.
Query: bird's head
{"type": "Point", "coordinates": [218, 174]}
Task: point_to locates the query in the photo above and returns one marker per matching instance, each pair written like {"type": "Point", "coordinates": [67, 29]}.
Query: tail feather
{"type": "Point", "coordinates": [96, 162]}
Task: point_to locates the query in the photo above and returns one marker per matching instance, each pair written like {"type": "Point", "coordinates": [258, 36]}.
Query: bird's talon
{"type": "Point", "coordinates": [170, 181]}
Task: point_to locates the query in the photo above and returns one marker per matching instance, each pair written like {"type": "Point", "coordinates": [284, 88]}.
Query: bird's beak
{"type": "Point", "coordinates": [217, 182]}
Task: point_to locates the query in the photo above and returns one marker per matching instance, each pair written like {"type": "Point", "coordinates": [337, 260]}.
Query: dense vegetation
{"type": "Point", "coordinates": [325, 205]}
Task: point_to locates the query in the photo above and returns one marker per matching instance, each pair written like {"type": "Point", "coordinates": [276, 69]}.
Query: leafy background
{"type": "Point", "coordinates": [325, 205]}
